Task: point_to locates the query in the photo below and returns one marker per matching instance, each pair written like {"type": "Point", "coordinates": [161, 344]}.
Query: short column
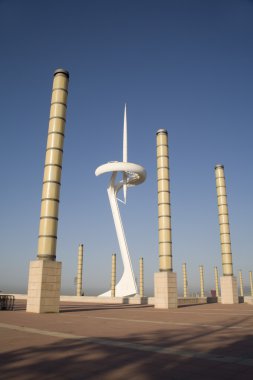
{"type": "Point", "coordinates": [141, 270]}
{"type": "Point", "coordinates": [251, 283]}
{"type": "Point", "coordinates": [201, 274]}
{"type": "Point", "coordinates": [241, 284]}
{"type": "Point", "coordinates": [113, 275]}
{"type": "Point", "coordinates": [185, 282]}
{"type": "Point", "coordinates": [216, 277]}
{"type": "Point", "coordinates": [79, 280]}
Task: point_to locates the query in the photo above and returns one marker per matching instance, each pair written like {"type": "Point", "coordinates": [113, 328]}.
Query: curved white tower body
{"type": "Point", "coordinates": [132, 174]}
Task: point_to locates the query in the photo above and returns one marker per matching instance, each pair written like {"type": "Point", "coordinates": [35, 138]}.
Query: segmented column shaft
{"type": "Point", "coordinates": [201, 273]}
{"type": "Point", "coordinates": [113, 278]}
{"type": "Point", "coordinates": [185, 282]}
{"type": "Point", "coordinates": [79, 282]}
{"type": "Point", "coordinates": [241, 283]}
{"type": "Point", "coordinates": [216, 275]}
{"type": "Point", "coordinates": [141, 270]}
{"type": "Point", "coordinates": [251, 283]}
{"type": "Point", "coordinates": [227, 266]}
{"type": "Point", "coordinates": [53, 167]}
{"type": "Point", "coordinates": [164, 212]}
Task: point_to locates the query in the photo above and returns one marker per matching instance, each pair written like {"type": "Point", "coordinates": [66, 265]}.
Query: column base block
{"type": "Point", "coordinates": [165, 290]}
{"type": "Point", "coordinates": [229, 290]}
{"type": "Point", "coordinates": [44, 286]}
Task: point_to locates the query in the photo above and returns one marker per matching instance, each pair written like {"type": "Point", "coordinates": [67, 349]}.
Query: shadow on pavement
{"type": "Point", "coordinates": [136, 357]}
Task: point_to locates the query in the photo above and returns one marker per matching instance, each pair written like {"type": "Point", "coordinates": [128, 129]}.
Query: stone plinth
{"type": "Point", "coordinates": [165, 290]}
{"type": "Point", "coordinates": [229, 291]}
{"type": "Point", "coordinates": [44, 286]}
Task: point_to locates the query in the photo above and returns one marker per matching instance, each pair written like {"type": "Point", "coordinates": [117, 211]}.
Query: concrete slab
{"type": "Point", "coordinates": [98, 341]}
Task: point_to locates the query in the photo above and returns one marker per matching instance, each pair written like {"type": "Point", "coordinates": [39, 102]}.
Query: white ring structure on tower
{"type": "Point", "coordinates": [133, 174]}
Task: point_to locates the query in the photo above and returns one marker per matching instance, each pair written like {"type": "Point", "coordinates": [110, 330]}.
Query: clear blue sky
{"type": "Point", "coordinates": [181, 65]}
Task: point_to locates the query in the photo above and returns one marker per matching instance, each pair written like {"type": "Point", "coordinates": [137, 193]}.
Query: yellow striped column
{"type": "Point", "coordinates": [201, 273]}
{"type": "Point", "coordinates": [185, 282]}
{"type": "Point", "coordinates": [216, 276]}
{"type": "Point", "coordinates": [141, 273]}
{"type": "Point", "coordinates": [251, 283]}
{"type": "Point", "coordinates": [44, 283]}
{"type": "Point", "coordinates": [229, 291]}
{"type": "Point", "coordinates": [53, 168]}
{"type": "Point", "coordinates": [113, 278]}
{"type": "Point", "coordinates": [165, 279]}
{"type": "Point", "coordinates": [164, 212]}
{"type": "Point", "coordinates": [226, 252]}
{"type": "Point", "coordinates": [79, 282]}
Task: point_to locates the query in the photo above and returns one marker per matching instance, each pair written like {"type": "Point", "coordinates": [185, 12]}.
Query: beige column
{"type": "Point", "coordinates": [165, 280]}
{"type": "Point", "coordinates": [229, 291]}
{"type": "Point", "coordinates": [241, 284]}
{"type": "Point", "coordinates": [216, 275]}
{"type": "Point", "coordinates": [53, 168]}
{"type": "Point", "coordinates": [79, 282]}
{"type": "Point", "coordinates": [141, 277]}
{"type": "Point", "coordinates": [45, 274]}
{"type": "Point", "coordinates": [226, 252]}
{"type": "Point", "coordinates": [113, 279]}
{"type": "Point", "coordinates": [201, 273]}
{"type": "Point", "coordinates": [164, 212]}
{"type": "Point", "coordinates": [251, 283]}
{"type": "Point", "coordinates": [185, 280]}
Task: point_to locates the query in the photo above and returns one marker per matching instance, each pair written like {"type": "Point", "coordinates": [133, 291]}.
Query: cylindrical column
{"type": "Point", "coordinates": [164, 213]}
{"type": "Point", "coordinates": [251, 283]}
{"type": "Point", "coordinates": [141, 285]}
{"type": "Point", "coordinates": [185, 280]}
{"type": "Point", "coordinates": [241, 283]}
{"type": "Point", "coordinates": [79, 282]}
{"type": "Point", "coordinates": [53, 167]}
{"type": "Point", "coordinates": [201, 273]}
{"type": "Point", "coordinates": [226, 252]}
{"type": "Point", "coordinates": [113, 279]}
{"type": "Point", "coordinates": [216, 275]}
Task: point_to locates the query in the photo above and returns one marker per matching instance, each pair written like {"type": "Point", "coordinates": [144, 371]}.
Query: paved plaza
{"type": "Point", "coordinates": [94, 341]}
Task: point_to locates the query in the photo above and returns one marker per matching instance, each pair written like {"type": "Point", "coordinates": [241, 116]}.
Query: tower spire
{"type": "Point", "coordinates": [125, 152]}
{"type": "Point", "coordinates": [125, 135]}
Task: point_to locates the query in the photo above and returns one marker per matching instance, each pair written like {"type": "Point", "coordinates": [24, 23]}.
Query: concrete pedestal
{"type": "Point", "coordinates": [229, 290]}
{"type": "Point", "coordinates": [165, 290]}
{"type": "Point", "coordinates": [44, 286]}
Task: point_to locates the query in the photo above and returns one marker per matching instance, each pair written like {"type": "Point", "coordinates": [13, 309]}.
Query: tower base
{"type": "Point", "coordinates": [44, 287]}
{"type": "Point", "coordinates": [229, 291]}
{"type": "Point", "coordinates": [165, 290]}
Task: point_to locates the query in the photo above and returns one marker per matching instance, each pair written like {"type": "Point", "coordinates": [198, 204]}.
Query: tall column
{"type": "Point", "coordinates": [113, 279]}
{"type": "Point", "coordinates": [251, 283]}
{"type": "Point", "coordinates": [241, 284]}
{"type": "Point", "coordinates": [141, 273]}
{"type": "Point", "coordinates": [229, 291]}
{"type": "Point", "coordinates": [185, 280]}
{"type": "Point", "coordinates": [79, 282]}
{"type": "Point", "coordinates": [165, 280]}
{"type": "Point", "coordinates": [53, 168]}
{"type": "Point", "coordinates": [45, 272]}
{"type": "Point", "coordinates": [164, 212]}
{"type": "Point", "coordinates": [201, 273]}
{"type": "Point", "coordinates": [216, 275]}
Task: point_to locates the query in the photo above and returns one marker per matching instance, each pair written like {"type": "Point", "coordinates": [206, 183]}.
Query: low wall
{"type": "Point", "coordinates": [186, 301]}
{"type": "Point", "coordinates": [248, 299]}
{"type": "Point", "coordinates": [94, 299]}
{"type": "Point", "coordinates": [132, 300]}
{"type": "Point", "coordinates": [113, 300]}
